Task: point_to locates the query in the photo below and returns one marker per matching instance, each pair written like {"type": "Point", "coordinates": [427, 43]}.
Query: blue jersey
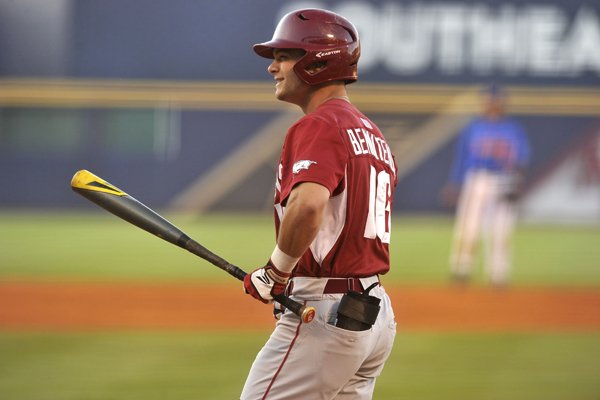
{"type": "Point", "coordinates": [496, 146]}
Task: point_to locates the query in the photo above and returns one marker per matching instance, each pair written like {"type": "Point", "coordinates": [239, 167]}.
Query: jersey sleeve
{"type": "Point", "coordinates": [314, 152]}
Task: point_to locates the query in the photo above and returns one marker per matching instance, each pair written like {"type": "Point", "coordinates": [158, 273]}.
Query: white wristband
{"type": "Point", "coordinates": [282, 261]}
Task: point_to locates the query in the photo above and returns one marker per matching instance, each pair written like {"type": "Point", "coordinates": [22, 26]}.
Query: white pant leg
{"type": "Point", "coordinates": [319, 360]}
{"type": "Point", "coordinates": [498, 257]}
{"type": "Point", "coordinates": [473, 201]}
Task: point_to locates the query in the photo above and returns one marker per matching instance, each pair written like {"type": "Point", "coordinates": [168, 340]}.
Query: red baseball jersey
{"type": "Point", "coordinates": [338, 147]}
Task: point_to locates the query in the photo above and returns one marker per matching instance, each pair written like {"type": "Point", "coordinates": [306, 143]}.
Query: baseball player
{"type": "Point", "coordinates": [491, 157]}
{"type": "Point", "coordinates": [333, 200]}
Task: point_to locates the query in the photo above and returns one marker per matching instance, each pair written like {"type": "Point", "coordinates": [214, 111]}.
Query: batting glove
{"type": "Point", "coordinates": [266, 282]}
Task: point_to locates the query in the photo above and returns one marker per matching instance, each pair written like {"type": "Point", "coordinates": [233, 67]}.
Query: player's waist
{"type": "Point", "coordinates": [491, 166]}
{"type": "Point", "coordinates": [305, 287]}
{"type": "Point", "coordinates": [486, 175]}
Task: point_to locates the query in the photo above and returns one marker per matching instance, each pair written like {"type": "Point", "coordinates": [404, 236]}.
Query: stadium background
{"type": "Point", "coordinates": [166, 100]}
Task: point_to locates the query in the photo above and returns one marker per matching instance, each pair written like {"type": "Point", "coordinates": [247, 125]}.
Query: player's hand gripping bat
{"type": "Point", "coordinates": [131, 210]}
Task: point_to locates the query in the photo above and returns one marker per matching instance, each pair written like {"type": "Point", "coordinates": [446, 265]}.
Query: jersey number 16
{"type": "Point", "coordinates": [379, 221]}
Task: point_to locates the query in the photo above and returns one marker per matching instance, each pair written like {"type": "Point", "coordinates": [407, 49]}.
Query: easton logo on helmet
{"type": "Point", "coordinates": [327, 53]}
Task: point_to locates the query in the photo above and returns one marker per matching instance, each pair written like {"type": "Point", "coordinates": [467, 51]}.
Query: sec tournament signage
{"type": "Point", "coordinates": [445, 40]}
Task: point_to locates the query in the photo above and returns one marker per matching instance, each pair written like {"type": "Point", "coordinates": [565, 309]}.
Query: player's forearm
{"type": "Point", "coordinates": [297, 233]}
{"type": "Point", "coordinates": [302, 218]}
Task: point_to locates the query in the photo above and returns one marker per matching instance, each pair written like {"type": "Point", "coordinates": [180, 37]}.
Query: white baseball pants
{"type": "Point", "coordinates": [482, 211]}
{"type": "Point", "coordinates": [319, 360]}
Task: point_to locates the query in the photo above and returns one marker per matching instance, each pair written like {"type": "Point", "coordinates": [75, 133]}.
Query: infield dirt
{"type": "Point", "coordinates": [189, 306]}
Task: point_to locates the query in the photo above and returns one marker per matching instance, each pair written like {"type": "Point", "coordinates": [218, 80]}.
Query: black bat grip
{"type": "Point", "coordinates": [305, 313]}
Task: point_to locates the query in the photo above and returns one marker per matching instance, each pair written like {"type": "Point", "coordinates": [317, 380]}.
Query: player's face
{"type": "Point", "coordinates": [493, 106]}
{"type": "Point", "coordinates": [288, 87]}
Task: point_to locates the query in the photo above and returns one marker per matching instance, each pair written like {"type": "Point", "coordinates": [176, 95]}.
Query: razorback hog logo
{"type": "Point", "coordinates": [327, 53]}
{"type": "Point", "coordinates": [302, 164]}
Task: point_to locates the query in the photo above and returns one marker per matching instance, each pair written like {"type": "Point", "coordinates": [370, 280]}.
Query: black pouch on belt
{"type": "Point", "coordinates": [358, 311]}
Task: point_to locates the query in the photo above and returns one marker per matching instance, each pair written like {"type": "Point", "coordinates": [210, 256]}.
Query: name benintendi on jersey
{"type": "Point", "coordinates": [364, 142]}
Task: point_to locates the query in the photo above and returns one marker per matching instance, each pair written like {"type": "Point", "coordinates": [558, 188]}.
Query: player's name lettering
{"type": "Point", "coordinates": [364, 142]}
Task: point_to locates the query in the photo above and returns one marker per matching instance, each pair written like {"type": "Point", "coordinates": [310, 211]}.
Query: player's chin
{"type": "Point", "coordinates": [280, 93]}
{"type": "Point", "coordinates": [285, 97]}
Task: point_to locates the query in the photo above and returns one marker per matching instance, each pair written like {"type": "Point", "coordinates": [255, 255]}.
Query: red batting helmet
{"type": "Point", "coordinates": [325, 37]}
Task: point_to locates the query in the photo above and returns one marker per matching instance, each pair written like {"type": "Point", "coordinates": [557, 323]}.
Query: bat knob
{"type": "Point", "coordinates": [308, 314]}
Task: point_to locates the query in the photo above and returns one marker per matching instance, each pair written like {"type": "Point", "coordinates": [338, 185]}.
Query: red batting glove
{"type": "Point", "coordinates": [263, 283]}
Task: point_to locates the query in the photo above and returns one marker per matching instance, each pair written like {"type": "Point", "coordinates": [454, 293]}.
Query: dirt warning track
{"type": "Point", "coordinates": [182, 306]}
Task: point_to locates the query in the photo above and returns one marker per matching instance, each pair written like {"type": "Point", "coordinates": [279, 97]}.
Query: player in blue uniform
{"type": "Point", "coordinates": [491, 157]}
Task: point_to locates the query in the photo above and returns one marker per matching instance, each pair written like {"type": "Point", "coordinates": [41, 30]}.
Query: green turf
{"type": "Point", "coordinates": [181, 366]}
{"type": "Point", "coordinates": [431, 366]}
{"type": "Point", "coordinates": [128, 366]}
{"type": "Point", "coordinates": [100, 246]}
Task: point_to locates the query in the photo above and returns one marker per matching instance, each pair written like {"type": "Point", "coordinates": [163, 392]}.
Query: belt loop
{"type": "Point", "coordinates": [350, 284]}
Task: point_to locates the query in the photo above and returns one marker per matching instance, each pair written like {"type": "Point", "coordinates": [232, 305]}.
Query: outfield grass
{"type": "Point", "coordinates": [548, 366]}
{"type": "Point", "coordinates": [182, 366]}
{"type": "Point", "coordinates": [100, 246]}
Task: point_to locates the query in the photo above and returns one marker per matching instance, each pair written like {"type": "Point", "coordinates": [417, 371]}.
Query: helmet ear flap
{"type": "Point", "coordinates": [308, 70]}
{"type": "Point", "coordinates": [316, 66]}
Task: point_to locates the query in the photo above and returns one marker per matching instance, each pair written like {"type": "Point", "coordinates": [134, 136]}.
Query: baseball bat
{"type": "Point", "coordinates": [119, 203]}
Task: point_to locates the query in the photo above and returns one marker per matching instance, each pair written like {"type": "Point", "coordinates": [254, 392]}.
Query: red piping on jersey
{"type": "Point", "coordinates": [284, 359]}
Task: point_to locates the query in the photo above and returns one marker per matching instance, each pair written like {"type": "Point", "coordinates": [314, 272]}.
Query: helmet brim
{"type": "Point", "coordinates": [263, 50]}
{"type": "Point", "coordinates": [266, 49]}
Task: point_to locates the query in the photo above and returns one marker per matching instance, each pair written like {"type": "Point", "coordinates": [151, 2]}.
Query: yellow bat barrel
{"type": "Point", "coordinates": [85, 180]}
{"type": "Point", "coordinates": [119, 203]}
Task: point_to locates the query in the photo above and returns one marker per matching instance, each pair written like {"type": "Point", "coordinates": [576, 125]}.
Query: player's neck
{"type": "Point", "coordinates": [494, 117]}
{"type": "Point", "coordinates": [335, 90]}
